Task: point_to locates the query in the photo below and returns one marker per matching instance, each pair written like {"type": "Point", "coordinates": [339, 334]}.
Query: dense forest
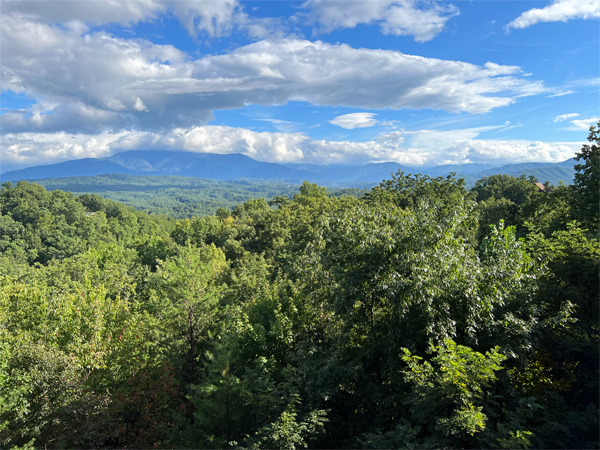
{"type": "Point", "coordinates": [421, 315]}
{"type": "Point", "coordinates": [177, 196]}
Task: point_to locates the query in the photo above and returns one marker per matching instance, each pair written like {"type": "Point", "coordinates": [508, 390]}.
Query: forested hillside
{"type": "Point", "coordinates": [177, 196]}
{"type": "Point", "coordinates": [422, 315]}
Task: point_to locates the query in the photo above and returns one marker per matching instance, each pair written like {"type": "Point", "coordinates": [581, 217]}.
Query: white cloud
{"type": "Point", "coordinates": [565, 117]}
{"type": "Point", "coordinates": [355, 120]}
{"type": "Point", "coordinates": [558, 11]}
{"type": "Point", "coordinates": [124, 12]}
{"type": "Point", "coordinates": [214, 18]}
{"type": "Point", "coordinates": [139, 105]}
{"type": "Point", "coordinates": [87, 82]}
{"type": "Point", "coordinates": [425, 147]}
{"type": "Point", "coordinates": [507, 152]}
{"type": "Point", "coordinates": [423, 20]}
{"type": "Point", "coordinates": [583, 124]}
{"type": "Point", "coordinates": [561, 94]}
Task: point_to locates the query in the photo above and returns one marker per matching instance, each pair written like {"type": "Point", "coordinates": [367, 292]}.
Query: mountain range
{"type": "Point", "coordinates": [237, 166]}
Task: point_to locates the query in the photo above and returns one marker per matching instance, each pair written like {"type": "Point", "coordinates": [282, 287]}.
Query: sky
{"type": "Point", "coordinates": [421, 83]}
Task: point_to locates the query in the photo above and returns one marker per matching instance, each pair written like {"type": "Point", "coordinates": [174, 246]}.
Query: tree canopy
{"type": "Point", "coordinates": [420, 315]}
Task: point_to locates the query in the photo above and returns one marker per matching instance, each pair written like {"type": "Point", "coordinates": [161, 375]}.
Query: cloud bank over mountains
{"type": "Point", "coordinates": [407, 148]}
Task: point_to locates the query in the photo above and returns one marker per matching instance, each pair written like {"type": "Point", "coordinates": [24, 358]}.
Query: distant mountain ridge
{"type": "Point", "coordinates": [235, 166]}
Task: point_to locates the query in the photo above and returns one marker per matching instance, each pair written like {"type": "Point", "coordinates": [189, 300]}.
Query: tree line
{"type": "Point", "coordinates": [421, 315]}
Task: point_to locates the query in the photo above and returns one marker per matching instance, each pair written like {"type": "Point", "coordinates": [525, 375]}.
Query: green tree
{"type": "Point", "coordinates": [502, 197]}
{"type": "Point", "coordinates": [406, 191]}
{"type": "Point", "coordinates": [184, 293]}
{"type": "Point", "coordinates": [446, 400]}
{"type": "Point", "coordinates": [587, 180]}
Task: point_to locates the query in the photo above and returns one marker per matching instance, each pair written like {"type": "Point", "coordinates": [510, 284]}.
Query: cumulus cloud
{"type": "Point", "coordinates": [423, 20]}
{"type": "Point", "coordinates": [565, 117]}
{"type": "Point", "coordinates": [213, 18]}
{"type": "Point", "coordinates": [355, 120]}
{"type": "Point", "coordinates": [86, 82]}
{"type": "Point", "coordinates": [124, 12]}
{"type": "Point", "coordinates": [27, 149]}
{"type": "Point", "coordinates": [558, 11]}
{"type": "Point", "coordinates": [507, 152]}
{"type": "Point", "coordinates": [425, 147]}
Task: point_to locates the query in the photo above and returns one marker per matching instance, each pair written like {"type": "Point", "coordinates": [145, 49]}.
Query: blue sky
{"type": "Point", "coordinates": [316, 81]}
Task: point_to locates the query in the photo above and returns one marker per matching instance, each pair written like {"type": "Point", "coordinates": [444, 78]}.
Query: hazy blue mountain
{"type": "Point", "coordinates": [463, 169]}
{"type": "Point", "coordinates": [199, 165]}
{"type": "Point", "coordinates": [202, 165]}
{"type": "Point", "coordinates": [76, 168]}
{"type": "Point", "coordinates": [563, 171]}
{"type": "Point", "coordinates": [313, 167]}
{"type": "Point", "coordinates": [237, 166]}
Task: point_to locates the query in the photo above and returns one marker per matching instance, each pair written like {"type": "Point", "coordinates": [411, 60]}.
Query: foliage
{"type": "Point", "coordinates": [183, 294]}
{"type": "Point", "coordinates": [587, 180]}
{"type": "Point", "coordinates": [417, 315]}
{"type": "Point", "coordinates": [177, 196]}
{"type": "Point", "coordinates": [447, 390]}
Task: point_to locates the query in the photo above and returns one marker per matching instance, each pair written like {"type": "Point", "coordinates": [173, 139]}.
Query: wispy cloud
{"type": "Point", "coordinates": [281, 125]}
{"type": "Point", "coordinates": [561, 94]}
{"type": "Point", "coordinates": [564, 117]}
{"type": "Point", "coordinates": [583, 124]}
